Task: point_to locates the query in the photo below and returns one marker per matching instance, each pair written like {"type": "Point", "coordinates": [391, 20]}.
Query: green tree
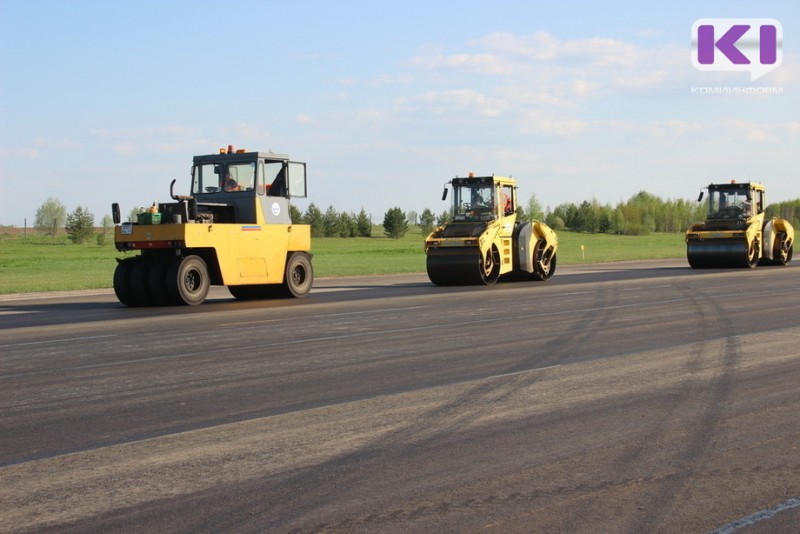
{"type": "Point", "coordinates": [618, 226]}
{"type": "Point", "coordinates": [107, 223]}
{"type": "Point", "coordinates": [555, 222]}
{"type": "Point", "coordinates": [443, 218]}
{"type": "Point", "coordinates": [426, 221]}
{"type": "Point", "coordinates": [295, 215]}
{"type": "Point", "coordinates": [347, 225]}
{"type": "Point", "coordinates": [331, 223]}
{"type": "Point", "coordinates": [80, 225]}
{"type": "Point", "coordinates": [314, 218]}
{"type": "Point", "coordinates": [534, 210]}
{"type": "Point", "coordinates": [363, 224]}
{"type": "Point", "coordinates": [789, 210]}
{"type": "Point", "coordinates": [50, 216]}
{"type": "Point", "coordinates": [395, 224]}
{"type": "Point", "coordinates": [586, 220]}
{"type": "Point", "coordinates": [133, 215]}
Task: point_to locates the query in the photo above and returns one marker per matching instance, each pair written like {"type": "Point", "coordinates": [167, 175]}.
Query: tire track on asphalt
{"type": "Point", "coordinates": [429, 428]}
{"type": "Point", "coordinates": [726, 350]}
{"type": "Point", "coordinates": [460, 411]}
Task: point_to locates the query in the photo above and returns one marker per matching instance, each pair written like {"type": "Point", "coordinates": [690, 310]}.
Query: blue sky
{"type": "Point", "coordinates": [105, 102]}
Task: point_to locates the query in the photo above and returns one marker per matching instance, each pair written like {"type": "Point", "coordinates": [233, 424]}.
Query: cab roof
{"type": "Point", "coordinates": [736, 185]}
{"type": "Point", "coordinates": [239, 157]}
{"type": "Point", "coordinates": [468, 180]}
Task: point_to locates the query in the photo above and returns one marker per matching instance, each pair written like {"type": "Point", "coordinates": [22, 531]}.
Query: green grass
{"type": "Point", "coordinates": [42, 263]}
{"type": "Point", "coordinates": [605, 247]}
{"type": "Point", "coordinates": [368, 255]}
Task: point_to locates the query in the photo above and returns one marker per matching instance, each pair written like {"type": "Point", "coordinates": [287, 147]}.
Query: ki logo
{"type": "Point", "coordinates": [753, 45]}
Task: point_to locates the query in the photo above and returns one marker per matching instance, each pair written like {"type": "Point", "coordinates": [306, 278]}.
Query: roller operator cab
{"type": "Point", "coordinates": [737, 232]}
{"type": "Point", "coordinates": [234, 229]}
{"type": "Point", "coordinates": [484, 241]}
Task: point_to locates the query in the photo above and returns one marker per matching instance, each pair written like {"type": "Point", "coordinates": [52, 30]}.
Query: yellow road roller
{"type": "Point", "coordinates": [484, 241]}
{"type": "Point", "coordinates": [234, 229]}
{"type": "Point", "coordinates": [736, 232]}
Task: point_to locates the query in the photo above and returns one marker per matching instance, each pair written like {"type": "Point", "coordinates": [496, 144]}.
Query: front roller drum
{"type": "Point", "coordinates": [462, 268]}
{"type": "Point", "coordinates": [721, 254]}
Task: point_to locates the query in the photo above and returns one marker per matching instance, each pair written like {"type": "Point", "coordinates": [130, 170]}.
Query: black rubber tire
{"type": "Point", "coordinates": [188, 281]}
{"type": "Point", "coordinates": [299, 275]}
{"type": "Point", "coordinates": [122, 277]}
{"type": "Point", "coordinates": [539, 273]}
{"type": "Point", "coordinates": [781, 255]}
{"type": "Point", "coordinates": [751, 259]}
{"type": "Point", "coordinates": [157, 283]}
{"type": "Point", "coordinates": [140, 292]}
{"type": "Point", "coordinates": [489, 267]}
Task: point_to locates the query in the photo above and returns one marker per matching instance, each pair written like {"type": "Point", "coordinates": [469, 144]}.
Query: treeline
{"type": "Point", "coordinates": [52, 215]}
{"type": "Point", "coordinates": [789, 210]}
{"type": "Point", "coordinates": [641, 214]}
{"type": "Point", "coordinates": [332, 223]}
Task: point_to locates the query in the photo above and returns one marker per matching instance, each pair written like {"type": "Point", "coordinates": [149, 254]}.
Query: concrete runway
{"type": "Point", "coordinates": [622, 397]}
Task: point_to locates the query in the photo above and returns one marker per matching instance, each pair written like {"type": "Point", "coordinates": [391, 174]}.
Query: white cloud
{"type": "Point", "coordinates": [486, 64]}
{"type": "Point", "coordinates": [19, 152]}
{"type": "Point", "coordinates": [453, 100]}
{"type": "Point", "coordinates": [539, 124]}
{"type": "Point", "coordinates": [555, 72]}
{"type": "Point", "coordinates": [539, 46]}
{"type": "Point", "coordinates": [601, 52]}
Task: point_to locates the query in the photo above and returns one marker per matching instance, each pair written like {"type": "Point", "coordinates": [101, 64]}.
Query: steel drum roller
{"type": "Point", "coordinates": [454, 268]}
{"type": "Point", "coordinates": [717, 254]}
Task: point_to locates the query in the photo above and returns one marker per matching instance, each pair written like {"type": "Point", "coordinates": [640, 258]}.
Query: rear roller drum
{"type": "Point", "coordinates": [544, 264]}
{"type": "Point", "coordinates": [782, 251]}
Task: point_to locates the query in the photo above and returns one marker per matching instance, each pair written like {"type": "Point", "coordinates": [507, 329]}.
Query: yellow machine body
{"type": "Point", "coordinates": [484, 241]}
{"type": "Point", "coordinates": [737, 232]}
{"type": "Point", "coordinates": [234, 230]}
{"type": "Point", "coordinates": [245, 253]}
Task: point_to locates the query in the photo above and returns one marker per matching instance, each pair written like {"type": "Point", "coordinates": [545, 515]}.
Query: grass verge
{"type": "Point", "coordinates": [43, 263]}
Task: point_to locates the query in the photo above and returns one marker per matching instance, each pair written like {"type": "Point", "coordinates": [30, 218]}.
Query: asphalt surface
{"type": "Point", "coordinates": [626, 397]}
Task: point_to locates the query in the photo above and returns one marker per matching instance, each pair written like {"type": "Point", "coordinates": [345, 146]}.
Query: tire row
{"type": "Point", "coordinates": [142, 281]}
{"type": "Point", "coordinates": [148, 281]}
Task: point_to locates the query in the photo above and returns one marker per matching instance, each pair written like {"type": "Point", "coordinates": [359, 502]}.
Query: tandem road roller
{"type": "Point", "coordinates": [484, 241]}
{"type": "Point", "coordinates": [736, 232]}
{"type": "Point", "coordinates": [234, 229]}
